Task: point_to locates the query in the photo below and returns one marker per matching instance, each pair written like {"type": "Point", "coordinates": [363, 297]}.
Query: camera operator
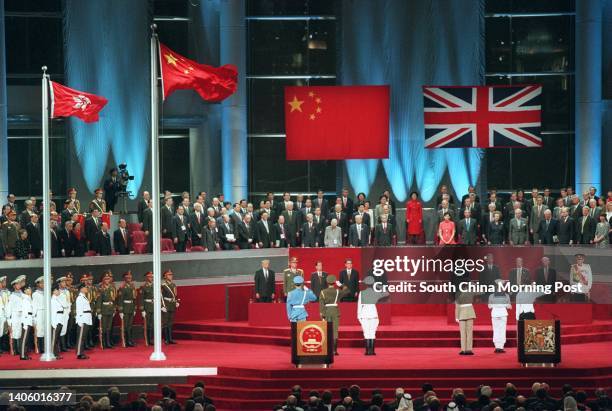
{"type": "Point", "coordinates": [112, 186]}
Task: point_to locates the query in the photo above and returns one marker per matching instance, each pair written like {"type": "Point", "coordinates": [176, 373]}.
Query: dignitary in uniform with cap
{"type": "Point", "coordinates": [27, 320]}
{"type": "Point", "coordinates": [297, 300]}
{"type": "Point", "coordinates": [368, 314]}
{"type": "Point", "coordinates": [328, 305]}
{"type": "Point", "coordinates": [289, 274]}
{"type": "Point", "coordinates": [146, 307]}
{"type": "Point", "coordinates": [14, 312]}
{"type": "Point", "coordinates": [83, 320]}
{"type": "Point", "coordinates": [170, 303]}
{"type": "Point", "coordinates": [465, 315]}
{"type": "Point", "coordinates": [499, 304]}
{"type": "Point", "coordinates": [98, 203]}
{"type": "Point", "coordinates": [105, 308]}
{"type": "Point", "coordinates": [126, 305]}
{"type": "Point", "coordinates": [39, 309]}
{"type": "Point", "coordinates": [581, 277]}
{"type": "Point", "coordinates": [9, 233]}
{"type": "Point", "coordinates": [4, 300]}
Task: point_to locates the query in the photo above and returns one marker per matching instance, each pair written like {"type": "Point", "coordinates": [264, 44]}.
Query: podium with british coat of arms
{"type": "Point", "coordinates": [539, 343]}
{"type": "Point", "coordinates": [312, 344]}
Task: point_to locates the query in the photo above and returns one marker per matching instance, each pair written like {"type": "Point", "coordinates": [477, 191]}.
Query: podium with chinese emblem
{"type": "Point", "coordinates": [539, 343]}
{"type": "Point", "coordinates": [312, 344]}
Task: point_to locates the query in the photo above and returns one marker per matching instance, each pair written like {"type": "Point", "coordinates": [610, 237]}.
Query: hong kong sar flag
{"type": "Point", "coordinates": [66, 101]}
{"type": "Point", "coordinates": [337, 122]}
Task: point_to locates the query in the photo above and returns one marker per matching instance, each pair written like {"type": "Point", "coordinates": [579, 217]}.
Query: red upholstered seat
{"type": "Point", "coordinates": [91, 253]}
{"type": "Point", "coordinates": [140, 248]}
{"type": "Point", "coordinates": [139, 237]}
{"type": "Point", "coordinates": [197, 248]}
{"type": "Point", "coordinates": [167, 246]}
{"type": "Point", "coordinates": [132, 227]}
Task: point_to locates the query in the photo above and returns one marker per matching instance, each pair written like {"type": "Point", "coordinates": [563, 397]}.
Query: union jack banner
{"type": "Point", "coordinates": [482, 116]}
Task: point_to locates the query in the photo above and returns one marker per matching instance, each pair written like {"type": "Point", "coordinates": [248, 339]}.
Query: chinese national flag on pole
{"type": "Point", "coordinates": [66, 101]}
{"type": "Point", "coordinates": [211, 83]}
{"type": "Point", "coordinates": [337, 122]}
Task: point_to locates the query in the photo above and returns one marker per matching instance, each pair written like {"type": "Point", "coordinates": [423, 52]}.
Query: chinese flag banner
{"type": "Point", "coordinates": [211, 83]}
{"type": "Point", "coordinates": [66, 101]}
{"type": "Point", "coordinates": [337, 122]}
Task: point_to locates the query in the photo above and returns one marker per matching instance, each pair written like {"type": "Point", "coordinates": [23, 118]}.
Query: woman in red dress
{"type": "Point", "coordinates": [446, 230]}
{"type": "Point", "coordinates": [414, 220]}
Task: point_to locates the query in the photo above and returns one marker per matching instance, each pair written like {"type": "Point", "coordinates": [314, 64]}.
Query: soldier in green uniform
{"type": "Point", "coordinates": [126, 305]}
{"type": "Point", "coordinates": [92, 297]}
{"type": "Point", "coordinates": [74, 293]}
{"type": "Point", "coordinates": [169, 305]}
{"type": "Point", "coordinates": [289, 274]}
{"type": "Point", "coordinates": [328, 301]}
{"type": "Point", "coordinates": [9, 233]}
{"type": "Point", "coordinates": [146, 307]}
{"type": "Point", "coordinates": [105, 308]}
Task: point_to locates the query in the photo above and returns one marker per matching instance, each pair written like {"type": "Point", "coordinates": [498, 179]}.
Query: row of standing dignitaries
{"type": "Point", "coordinates": [82, 315]}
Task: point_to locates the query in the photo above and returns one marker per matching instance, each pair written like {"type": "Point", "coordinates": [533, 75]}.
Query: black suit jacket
{"type": "Point", "coordinates": [565, 230]}
{"type": "Point", "coordinates": [55, 245]}
{"type": "Point", "coordinates": [552, 276]}
{"type": "Point", "coordinates": [488, 276]}
{"type": "Point", "coordinates": [546, 235]}
{"type": "Point", "coordinates": [263, 236]}
{"type": "Point", "coordinates": [585, 236]}
{"type": "Point", "coordinates": [525, 276]}
{"type": "Point", "coordinates": [166, 221]}
{"type": "Point", "coordinates": [66, 242]}
{"type": "Point", "coordinates": [142, 206]}
{"type": "Point", "coordinates": [354, 239]}
{"type": "Point", "coordinates": [210, 239]}
{"type": "Point", "coordinates": [348, 208]}
{"type": "Point", "coordinates": [103, 244]}
{"type": "Point", "coordinates": [122, 246]}
{"type": "Point", "coordinates": [287, 230]}
{"type": "Point", "coordinates": [310, 235]}
{"type": "Point", "coordinates": [244, 232]}
{"type": "Point", "coordinates": [383, 237]}
{"type": "Point", "coordinates": [292, 223]}
{"type": "Point", "coordinates": [322, 205]}
{"type": "Point", "coordinates": [365, 218]}
{"type": "Point", "coordinates": [343, 222]}
{"type": "Point", "coordinates": [317, 284]}
{"type": "Point", "coordinates": [35, 236]}
{"type": "Point", "coordinates": [224, 231]}
{"type": "Point", "coordinates": [147, 220]}
{"type": "Point", "coordinates": [197, 226]}
{"type": "Point", "coordinates": [91, 228]}
{"type": "Point", "coordinates": [263, 287]}
{"type": "Point", "coordinates": [352, 283]}
{"type": "Point", "coordinates": [177, 228]}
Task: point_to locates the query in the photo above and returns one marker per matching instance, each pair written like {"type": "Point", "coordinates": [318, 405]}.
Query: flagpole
{"type": "Point", "coordinates": [46, 220]}
{"type": "Point", "coordinates": [157, 354]}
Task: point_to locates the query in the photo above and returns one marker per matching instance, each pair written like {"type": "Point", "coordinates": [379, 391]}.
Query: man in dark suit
{"type": "Point", "coordinates": [565, 229]}
{"type": "Point", "coordinates": [468, 228]}
{"type": "Point", "coordinates": [198, 222]}
{"type": "Point", "coordinates": [319, 221]}
{"type": "Point", "coordinates": [282, 234]}
{"type": "Point", "coordinates": [167, 214]}
{"type": "Point", "coordinates": [547, 200]}
{"type": "Point", "coordinates": [487, 219]}
{"type": "Point", "coordinates": [292, 219]}
{"type": "Point", "coordinates": [55, 243]}
{"type": "Point", "coordinates": [318, 279]}
{"type": "Point", "coordinates": [265, 232]}
{"type": "Point", "coordinates": [103, 241]}
{"type": "Point", "coordinates": [26, 215]}
{"type": "Point", "coordinates": [304, 211]}
{"type": "Point", "coordinates": [143, 205]}
{"type": "Point", "coordinates": [585, 228]}
{"type": "Point", "coordinates": [180, 230]}
{"type": "Point", "coordinates": [347, 203]}
{"type": "Point", "coordinates": [491, 272]}
{"type": "Point", "coordinates": [67, 240]}
{"type": "Point", "coordinates": [342, 219]}
{"type": "Point", "coordinates": [111, 189]}
{"type": "Point", "coordinates": [383, 233]}
{"type": "Point", "coordinates": [121, 238]}
{"type": "Point", "coordinates": [309, 233]}
{"type": "Point", "coordinates": [92, 226]}
{"type": "Point", "coordinates": [244, 232]}
{"type": "Point", "coordinates": [349, 277]}
{"type": "Point", "coordinates": [265, 283]}
{"type": "Point", "coordinates": [147, 225]}
{"type": "Point", "coordinates": [545, 275]}
{"type": "Point", "coordinates": [320, 202]}
{"type": "Point", "coordinates": [34, 235]}
{"type": "Point", "coordinates": [547, 231]}
{"type": "Point", "coordinates": [210, 239]}
{"type": "Point", "coordinates": [519, 275]}
{"type": "Point", "coordinates": [227, 234]}
{"type": "Point", "coordinates": [359, 233]}
{"type": "Point", "coordinates": [365, 217]}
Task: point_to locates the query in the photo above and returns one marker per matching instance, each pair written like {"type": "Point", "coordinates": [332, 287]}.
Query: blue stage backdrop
{"type": "Point", "coordinates": [107, 53]}
{"type": "Point", "coordinates": [408, 44]}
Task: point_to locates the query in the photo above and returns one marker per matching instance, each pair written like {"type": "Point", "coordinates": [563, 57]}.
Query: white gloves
{"type": "Point", "coordinates": [144, 314]}
{"type": "Point", "coordinates": [121, 315]}
{"type": "Point", "coordinates": [164, 310]}
{"type": "Point", "coordinates": [177, 305]}
{"type": "Point", "coordinates": [99, 316]}
{"type": "Point", "coordinates": [305, 288]}
{"type": "Point", "coordinates": [338, 283]}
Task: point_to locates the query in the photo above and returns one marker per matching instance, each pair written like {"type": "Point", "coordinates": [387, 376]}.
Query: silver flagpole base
{"type": "Point", "coordinates": [157, 356]}
{"type": "Point", "coordinates": [47, 357]}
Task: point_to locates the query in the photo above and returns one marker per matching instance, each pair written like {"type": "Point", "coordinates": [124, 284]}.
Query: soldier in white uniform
{"type": "Point", "coordinates": [465, 315]}
{"type": "Point", "coordinates": [368, 314]}
{"type": "Point", "coordinates": [27, 320]}
{"type": "Point", "coordinates": [14, 312]}
{"type": "Point", "coordinates": [4, 299]}
{"type": "Point", "coordinates": [499, 304]}
{"type": "Point", "coordinates": [65, 300]}
{"type": "Point", "coordinates": [83, 320]}
{"type": "Point", "coordinates": [38, 306]}
{"type": "Point", "coordinates": [57, 315]}
{"type": "Point", "coordinates": [582, 277]}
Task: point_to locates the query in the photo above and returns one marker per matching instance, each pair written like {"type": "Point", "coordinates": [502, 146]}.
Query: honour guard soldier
{"type": "Point", "coordinates": [65, 299]}
{"type": "Point", "coordinates": [57, 314]}
{"type": "Point", "coordinates": [92, 297]}
{"type": "Point", "coordinates": [367, 313]}
{"type": "Point", "coordinates": [146, 307]}
{"type": "Point", "coordinates": [74, 293]}
{"type": "Point", "coordinates": [83, 320]}
{"type": "Point", "coordinates": [169, 305]}
{"type": "Point", "coordinates": [4, 300]}
{"type": "Point", "coordinates": [38, 310]}
{"type": "Point", "coordinates": [499, 303]}
{"type": "Point", "coordinates": [289, 274]}
{"type": "Point", "coordinates": [297, 300]}
{"type": "Point", "coordinates": [72, 196]}
{"type": "Point", "coordinates": [465, 315]}
{"type": "Point", "coordinates": [581, 277]}
{"type": "Point", "coordinates": [105, 308]}
{"type": "Point", "coordinates": [14, 312]}
{"type": "Point", "coordinates": [98, 202]}
{"type": "Point", "coordinates": [126, 305]}
{"type": "Point", "coordinates": [328, 300]}
{"type": "Point", "coordinates": [9, 233]}
{"type": "Point", "coordinates": [26, 322]}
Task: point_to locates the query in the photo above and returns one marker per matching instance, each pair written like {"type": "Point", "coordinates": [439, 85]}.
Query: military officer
{"type": "Point", "coordinates": [38, 310]}
{"type": "Point", "coordinates": [105, 308]}
{"type": "Point", "coordinates": [26, 322]}
{"type": "Point", "coordinates": [146, 307]}
{"type": "Point", "coordinates": [71, 330]}
{"type": "Point", "coordinates": [14, 312]}
{"type": "Point", "coordinates": [4, 300]}
{"type": "Point", "coordinates": [9, 233]}
{"type": "Point", "coordinates": [98, 203]}
{"type": "Point", "coordinates": [126, 305]}
{"type": "Point", "coordinates": [289, 274]}
{"type": "Point", "coordinates": [465, 315]}
{"type": "Point", "coordinates": [169, 305]}
{"type": "Point", "coordinates": [57, 314]}
{"type": "Point", "coordinates": [368, 314]}
{"type": "Point", "coordinates": [328, 301]}
{"type": "Point", "coordinates": [65, 300]}
{"type": "Point", "coordinates": [92, 297]}
{"type": "Point", "coordinates": [297, 300]}
{"type": "Point", "coordinates": [72, 196]}
{"type": "Point", "coordinates": [499, 304]}
{"type": "Point", "coordinates": [83, 320]}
